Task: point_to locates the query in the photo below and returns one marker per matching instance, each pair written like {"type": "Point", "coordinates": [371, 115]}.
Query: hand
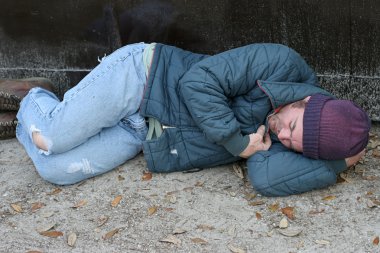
{"type": "Point", "coordinates": [257, 142]}
{"type": "Point", "coordinates": [350, 161]}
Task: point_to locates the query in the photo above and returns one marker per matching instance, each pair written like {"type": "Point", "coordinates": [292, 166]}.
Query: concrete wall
{"type": "Point", "coordinates": [62, 40]}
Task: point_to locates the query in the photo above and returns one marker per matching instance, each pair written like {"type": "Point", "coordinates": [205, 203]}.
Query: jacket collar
{"type": "Point", "coordinates": [283, 93]}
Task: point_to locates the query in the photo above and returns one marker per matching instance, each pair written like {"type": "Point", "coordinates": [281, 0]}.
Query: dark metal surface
{"type": "Point", "coordinates": [62, 40]}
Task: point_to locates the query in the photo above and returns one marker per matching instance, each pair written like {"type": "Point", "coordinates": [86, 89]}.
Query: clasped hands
{"type": "Point", "coordinates": [257, 142]}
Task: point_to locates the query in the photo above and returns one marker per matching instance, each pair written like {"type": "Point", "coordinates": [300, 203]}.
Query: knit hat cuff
{"type": "Point", "coordinates": [311, 125]}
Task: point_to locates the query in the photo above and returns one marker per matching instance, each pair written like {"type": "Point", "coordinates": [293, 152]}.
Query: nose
{"type": "Point", "coordinates": [284, 134]}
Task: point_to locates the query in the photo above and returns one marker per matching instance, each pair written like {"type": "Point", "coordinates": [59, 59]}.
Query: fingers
{"type": "Point", "coordinates": [268, 141]}
{"type": "Point", "coordinates": [261, 130]}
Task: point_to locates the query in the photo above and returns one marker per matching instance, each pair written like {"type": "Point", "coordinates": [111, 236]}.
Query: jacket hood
{"type": "Point", "coordinates": [283, 93]}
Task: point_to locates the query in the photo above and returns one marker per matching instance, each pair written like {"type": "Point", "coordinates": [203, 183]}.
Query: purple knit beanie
{"type": "Point", "coordinates": [334, 129]}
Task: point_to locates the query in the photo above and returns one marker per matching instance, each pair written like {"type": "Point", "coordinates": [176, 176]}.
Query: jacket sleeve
{"type": "Point", "coordinates": [210, 85]}
{"type": "Point", "coordinates": [281, 172]}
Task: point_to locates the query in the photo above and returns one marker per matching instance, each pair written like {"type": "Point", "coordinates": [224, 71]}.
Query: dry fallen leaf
{"type": "Point", "coordinates": [198, 240]}
{"type": "Point", "coordinates": [284, 223]}
{"type": "Point", "coordinates": [178, 231]}
{"type": "Point", "coordinates": [147, 176]}
{"type": "Point", "coordinates": [371, 204]}
{"type": "Point", "coordinates": [256, 203]}
{"type": "Point", "coordinates": [316, 211]}
{"type": "Point", "coordinates": [171, 239]}
{"type": "Point", "coordinates": [376, 153]}
{"type": "Point", "coordinates": [250, 196]}
{"type": "Point", "coordinates": [55, 191]}
{"type": "Point", "coordinates": [288, 211]}
{"type": "Point", "coordinates": [53, 233]}
{"type": "Point", "coordinates": [80, 204]}
{"type": "Point", "coordinates": [116, 200]}
{"type": "Point", "coordinates": [232, 231]}
{"type": "Point", "coordinates": [370, 178]}
{"type": "Point", "coordinates": [110, 233]}
{"type": "Point", "coordinates": [47, 214]}
{"type": "Point", "coordinates": [71, 239]}
{"type": "Point", "coordinates": [235, 249]}
{"type": "Point", "coordinates": [199, 184]}
{"type": "Point", "coordinates": [290, 232]}
{"type": "Point", "coordinates": [152, 210]}
{"type": "Point", "coordinates": [274, 207]}
{"type": "Point", "coordinates": [205, 227]}
{"type": "Point", "coordinates": [322, 242]}
{"type": "Point", "coordinates": [258, 216]}
{"type": "Point", "coordinates": [37, 205]}
{"type": "Point", "coordinates": [102, 220]}
{"type": "Point", "coordinates": [120, 178]}
{"type": "Point", "coordinates": [238, 170]}
{"type": "Point", "coordinates": [46, 227]}
{"type": "Point", "coordinates": [172, 199]}
{"type": "Point", "coordinates": [328, 198]}
{"type": "Point", "coordinates": [376, 241]}
{"type": "Point", "coordinates": [17, 208]}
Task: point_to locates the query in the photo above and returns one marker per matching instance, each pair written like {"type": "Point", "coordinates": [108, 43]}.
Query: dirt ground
{"type": "Point", "coordinates": [213, 210]}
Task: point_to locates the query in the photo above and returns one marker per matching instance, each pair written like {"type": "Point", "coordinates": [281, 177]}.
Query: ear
{"type": "Point", "coordinates": [306, 99]}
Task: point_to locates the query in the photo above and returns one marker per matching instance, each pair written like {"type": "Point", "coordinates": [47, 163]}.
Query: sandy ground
{"type": "Point", "coordinates": [213, 210]}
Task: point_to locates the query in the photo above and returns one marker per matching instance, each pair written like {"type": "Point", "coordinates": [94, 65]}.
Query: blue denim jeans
{"type": "Point", "coordinates": [96, 126]}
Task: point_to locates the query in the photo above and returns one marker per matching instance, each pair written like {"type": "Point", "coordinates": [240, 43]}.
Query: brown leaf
{"type": "Point", "coordinates": [290, 232]}
{"type": "Point", "coordinates": [274, 207]}
{"type": "Point", "coordinates": [71, 239]}
{"type": "Point", "coordinates": [371, 204]}
{"type": "Point", "coordinates": [205, 227]}
{"type": "Point", "coordinates": [370, 178]}
{"type": "Point", "coordinates": [111, 233]}
{"type": "Point", "coordinates": [102, 220]}
{"type": "Point", "coordinates": [178, 231]}
{"type": "Point", "coordinates": [52, 233]}
{"type": "Point", "coordinates": [55, 191]}
{"type": "Point", "coordinates": [188, 189]}
{"type": "Point", "coordinates": [46, 227]}
{"type": "Point", "coordinates": [376, 241]}
{"type": "Point", "coordinates": [147, 176]}
{"type": "Point", "coordinates": [258, 216]}
{"type": "Point", "coordinates": [81, 203]}
{"type": "Point", "coordinates": [256, 203]}
{"type": "Point", "coordinates": [322, 242]}
{"type": "Point", "coordinates": [116, 200]}
{"type": "Point", "coordinates": [171, 239]}
{"type": "Point", "coordinates": [328, 198]}
{"type": "Point", "coordinates": [288, 211]}
{"type": "Point", "coordinates": [120, 178]}
{"type": "Point", "coordinates": [198, 240]}
{"type": "Point", "coordinates": [376, 153]}
{"type": "Point", "coordinates": [316, 211]}
{"type": "Point", "coordinates": [152, 210]}
{"type": "Point", "coordinates": [235, 249]}
{"type": "Point", "coordinates": [238, 170]}
{"type": "Point", "coordinates": [17, 208]}
{"type": "Point", "coordinates": [250, 196]}
{"type": "Point", "coordinates": [37, 205]}
{"type": "Point", "coordinates": [199, 184]}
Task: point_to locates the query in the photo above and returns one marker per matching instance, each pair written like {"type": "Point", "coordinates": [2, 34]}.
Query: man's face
{"type": "Point", "coordinates": [287, 124]}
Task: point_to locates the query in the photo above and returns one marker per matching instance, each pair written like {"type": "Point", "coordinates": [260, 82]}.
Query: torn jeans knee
{"type": "Point", "coordinates": [46, 141]}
